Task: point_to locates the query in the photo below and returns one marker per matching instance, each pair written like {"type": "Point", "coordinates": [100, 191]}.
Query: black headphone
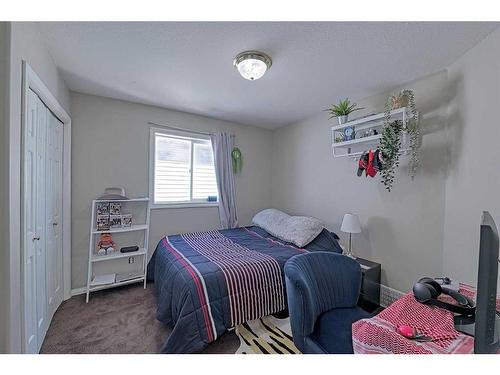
{"type": "Point", "coordinates": [426, 290]}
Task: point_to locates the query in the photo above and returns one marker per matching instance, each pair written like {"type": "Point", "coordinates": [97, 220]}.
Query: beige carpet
{"type": "Point", "coordinates": [120, 320]}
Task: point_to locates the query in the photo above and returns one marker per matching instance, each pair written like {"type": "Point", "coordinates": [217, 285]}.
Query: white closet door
{"type": "Point", "coordinates": [42, 260]}
{"type": "Point", "coordinates": [41, 248]}
{"type": "Point", "coordinates": [54, 214]}
{"type": "Point", "coordinates": [30, 228]}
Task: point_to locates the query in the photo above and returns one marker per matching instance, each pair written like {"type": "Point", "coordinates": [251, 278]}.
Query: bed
{"type": "Point", "coordinates": [209, 282]}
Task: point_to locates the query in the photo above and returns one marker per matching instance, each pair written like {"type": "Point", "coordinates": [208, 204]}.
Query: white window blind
{"type": "Point", "coordinates": [183, 169]}
{"type": "Point", "coordinates": [204, 183]}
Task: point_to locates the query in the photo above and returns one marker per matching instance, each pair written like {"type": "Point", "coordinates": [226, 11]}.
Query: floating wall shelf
{"type": "Point", "coordinates": [357, 146]}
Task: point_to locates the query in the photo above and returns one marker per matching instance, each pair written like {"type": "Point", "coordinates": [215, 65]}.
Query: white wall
{"type": "Point", "coordinates": [425, 227]}
{"type": "Point", "coordinates": [473, 184]}
{"type": "Point", "coordinates": [4, 167]}
{"type": "Point", "coordinates": [25, 44]}
{"type": "Point", "coordinates": [402, 229]}
{"type": "Point", "coordinates": [110, 140]}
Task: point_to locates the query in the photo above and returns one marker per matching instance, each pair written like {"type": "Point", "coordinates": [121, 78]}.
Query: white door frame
{"type": "Point", "coordinates": [33, 82]}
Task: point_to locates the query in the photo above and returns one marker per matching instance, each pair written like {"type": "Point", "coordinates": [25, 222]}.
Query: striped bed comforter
{"type": "Point", "coordinates": [208, 282]}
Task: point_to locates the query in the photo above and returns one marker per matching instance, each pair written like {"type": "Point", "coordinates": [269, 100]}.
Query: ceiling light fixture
{"type": "Point", "coordinates": [252, 65]}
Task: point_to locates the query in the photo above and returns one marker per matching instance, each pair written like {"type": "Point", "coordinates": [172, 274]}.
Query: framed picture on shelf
{"type": "Point", "coordinates": [102, 222]}
{"type": "Point", "coordinates": [115, 221]}
{"type": "Point", "coordinates": [102, 208]}
{"type": "Point", "coordinates": [126, 220]}
{"type": "Point", "coordinates": [115, 208]}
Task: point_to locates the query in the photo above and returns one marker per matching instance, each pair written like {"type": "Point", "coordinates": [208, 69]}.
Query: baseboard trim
{"type": "Point", "coordinates": [78, 291]}
{"type": "Point", "coordinates": [389, 295]}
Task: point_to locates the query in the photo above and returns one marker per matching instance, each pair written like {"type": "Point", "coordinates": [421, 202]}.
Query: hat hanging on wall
{"type": "Point", "coordinates": [113, 193]}
{"type": "Point", "coordinates": [237, 160]}
{"type": "Point", "coordinates": [370, 162]}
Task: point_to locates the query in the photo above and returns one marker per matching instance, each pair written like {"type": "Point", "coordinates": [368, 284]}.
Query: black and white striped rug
{"type": "Point", "coordinates": [267, 335]}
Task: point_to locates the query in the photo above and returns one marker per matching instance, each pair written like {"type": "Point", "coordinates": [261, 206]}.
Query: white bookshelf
{"type": "Point", "coordinates": [140, 210]}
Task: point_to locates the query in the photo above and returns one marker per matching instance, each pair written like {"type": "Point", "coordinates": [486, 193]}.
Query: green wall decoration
{"type": "Point", "coordinates": [237, 160]}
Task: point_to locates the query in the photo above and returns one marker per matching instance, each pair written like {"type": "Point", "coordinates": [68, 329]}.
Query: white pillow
{"type": "Point", "coordinates": [299, 230]}
{"type": "Point", "coordinates": [270, 220]}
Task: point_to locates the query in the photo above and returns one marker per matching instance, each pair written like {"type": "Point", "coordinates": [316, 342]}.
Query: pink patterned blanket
{"type": "Point", "coordinates": [378, 334]}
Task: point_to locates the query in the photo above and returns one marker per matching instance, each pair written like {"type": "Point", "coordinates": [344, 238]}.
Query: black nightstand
{"type": "Point", "coordinates": [369, 298]}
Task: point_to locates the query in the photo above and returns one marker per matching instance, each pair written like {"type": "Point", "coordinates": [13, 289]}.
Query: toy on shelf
{"type": "Point", "coordinates": [106, 245]}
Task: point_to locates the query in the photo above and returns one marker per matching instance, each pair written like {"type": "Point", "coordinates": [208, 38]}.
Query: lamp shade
{"type": "Point", "coordinates": [351, 224]}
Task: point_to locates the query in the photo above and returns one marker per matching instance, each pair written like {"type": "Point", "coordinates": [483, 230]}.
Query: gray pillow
{"type": "Point", "coordinates": [299, 230]}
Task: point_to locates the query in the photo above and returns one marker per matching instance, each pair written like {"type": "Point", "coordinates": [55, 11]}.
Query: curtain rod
{"type": "Point", "coordinates": [182, 129]}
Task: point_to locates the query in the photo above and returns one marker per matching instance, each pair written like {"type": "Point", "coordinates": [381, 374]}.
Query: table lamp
{"type": "Point", "coordinates": [350, 225]}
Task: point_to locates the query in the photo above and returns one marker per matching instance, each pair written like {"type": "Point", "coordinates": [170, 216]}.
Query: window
{"type": "Point", "coordinates": [183, 168]}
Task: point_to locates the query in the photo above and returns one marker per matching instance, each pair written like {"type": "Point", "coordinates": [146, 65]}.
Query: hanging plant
{"type": "Point", "coordinates": [413, 131]}
{"type": "Point", "coordinates": [389, 145]}
{"type": "Point", "coordinates": [390, 142]}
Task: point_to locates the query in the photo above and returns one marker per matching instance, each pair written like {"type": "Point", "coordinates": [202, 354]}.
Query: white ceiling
{"type": "Point", "coordinates": [188, 66]}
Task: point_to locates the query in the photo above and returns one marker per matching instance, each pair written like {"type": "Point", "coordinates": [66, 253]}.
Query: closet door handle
{"type": "Point", "coordinates": [55, 223]}
{"type": "Point", "coordinates": [37, 238]}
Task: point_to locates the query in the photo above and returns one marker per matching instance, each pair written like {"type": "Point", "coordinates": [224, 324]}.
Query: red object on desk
{"type": "Point", "coordinates": [379, 334]}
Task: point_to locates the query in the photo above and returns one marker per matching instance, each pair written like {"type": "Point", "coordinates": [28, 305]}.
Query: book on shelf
{"type": "Point", "coordinates": [103, 279]}
{"type": "Point", "coordinates": [125, 276]}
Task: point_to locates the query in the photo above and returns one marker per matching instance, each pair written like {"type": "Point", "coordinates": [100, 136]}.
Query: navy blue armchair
{"type": "Point", "coordinates": [323, 290]}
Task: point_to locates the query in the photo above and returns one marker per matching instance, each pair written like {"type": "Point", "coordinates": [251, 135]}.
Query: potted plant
{"type": "Point", "coordinates": [342, 110]}
{"type": "Point", "coordinates": [400, 99]}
